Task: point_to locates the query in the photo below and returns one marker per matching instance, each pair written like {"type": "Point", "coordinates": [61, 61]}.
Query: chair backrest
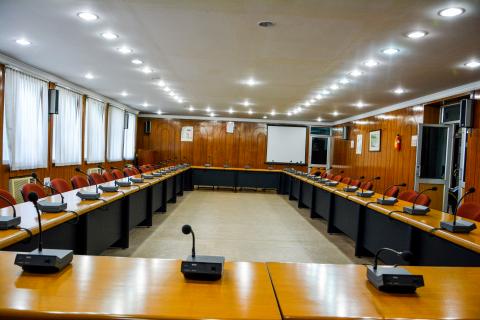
{"type": "Point", "coordinates": [60, 185]}
{"type": "Point", "coordinates": [329, 176]}
{"type": "Point", "coordinates": [8, 196]}
{"type": "Point", "coordinates": [145, 168]}
{"type": "Point", "coordinates": [337, 178]}
{"type": "Point", "coordinates": [323, 174]}
{"type": "Point", "coordinates": [346, 180]}
{"type": "Point", "coordinates": [107, 176]}
{"type": "Point", "coordinates": [128, 172]}
{"type": "Point", "coordinates": [408, 195]}
{"type": "Point", "coordinates": [79, 182]}
{"type": "Point", "coordinates": [392, 192]}
{"type": "Point", "coordinates": [32, 187]}
{"type": "Point", "coordinates": [367, 185]}
{"type": "Point", "coordinates": [135, 170]}
{"type": "Point", "coordinates": [423, 200]}
{"type": "Point", "coordinates": [355, 183]}
{"type": "Point", "coordinates": [117, 174]}
{"type": "Point", "coordinates": [469, 210]}
{"type": "Point", "coordinates": [96, 178]}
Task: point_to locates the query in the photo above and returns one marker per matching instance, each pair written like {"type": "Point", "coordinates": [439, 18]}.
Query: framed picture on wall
{"type": "Point", "coordinates": [375, 137]}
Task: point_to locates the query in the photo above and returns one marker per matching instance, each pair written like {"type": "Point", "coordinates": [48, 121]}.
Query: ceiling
{"type": "Point", "coordinates": [203, 50]}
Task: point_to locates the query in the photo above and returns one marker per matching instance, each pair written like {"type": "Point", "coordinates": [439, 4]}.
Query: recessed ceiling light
{"type": "Point", "coordinates": [399, 91]}
{"type": "Point", "coordinates": [145, 104]}
{"type": "Point", "coordinates": [87, 16]}
{"type": "Point", "coordinates": [266, 24]}
{"type": "Point", "coordinates": [273, 113]}
{"type": "Point", "coordinates": [231, 111]}
{"type": "Point", "coordinates": [289, 113]}
{"type": "Point", "coordinates": [23, 42]}
{"type": "Point", "coordinates": [124, 94]}
{"type": "Point", "coordinates": [147, 70]}
{"type": "Point", "coordinates": [417, 34]}
{"type": "Point", "coordinates": [137, 61]}
{"type": "Point", "coordinates": [390, 51]}
{"type": "Point", "coordinates": [265, 117]}
{"type": "Point", "coordinates": [334, 86]}
{"type": "Point", "coordinates": [307, 104]}
{"type": "Point", "coordinates": [295, 111]}
{"type": "Point", "coordinates": [208, 109]}
{"type": "Point", "coordinates": [344, 81]}
{"type": "Point", "coordinates": [318, 97]}
{"type": "Point", "coordinates": [312, 101]}
{"type": "Point", "coordinates": [325, 92]}
{"type": "Point", "coordinates": [124, 50]}
{"type": "Point", "coordinates": [319, 119]}
{"type": "Point", "coordinates": [299, 109]}
{"type": "Point", "coordinates": [180, 100]}
{"type": "Point", "coordinates": [335, 113]}
{"type": "Point", "coordinates": [191, 108]}
{"type": "Point", "coordinates": [359, 104]}
{"type": "Point", "coordinates": [250, 111]}
{"type": "Point", "coordinates": [355, 73]}
{"type": "Point", "coordinates": [212, 114]}
{"type": "Point", "coordinates": [89, 75]}
{"type": "Point", "coordinates": [451, 12]}
{"type": "Point", "coordinates": [246, 103]}
{"type": "Point", "coordinates": [371, 63]}
{"type": "Point", "coordinates": [161, 83]}
{"type": "Point", "coordinates": [472, 64]}
{"type": "Point", "coordinates": [171, 93]}
{"type": "Point", "coordinates": [167, 89]}
{"type": "Point", "coordinates": [251, 82]}
{"type": "Point", "coordinates": [109, 35]}
{"type": "Point", "coordinates": [159, 112]}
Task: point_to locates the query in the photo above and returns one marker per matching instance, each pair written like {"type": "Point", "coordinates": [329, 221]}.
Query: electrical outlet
{"type": "Point", "coordinates": [46, 181]}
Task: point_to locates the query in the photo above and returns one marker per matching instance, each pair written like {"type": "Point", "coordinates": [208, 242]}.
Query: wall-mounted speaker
{"type": "Point", "coordinates": [52, 101]}
{"type": "Point", "coordinates": [147, 126]}
{"type": "Point", "coordinates": [466, 113]}
{"type": "Point", "coordinates": [125, 120]}
{"type": "Point", "coordinates": [345, 133]}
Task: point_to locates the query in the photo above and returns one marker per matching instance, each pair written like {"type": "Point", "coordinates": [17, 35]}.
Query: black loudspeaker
{"type": "Point", "coordinates": [345, 133]}
{"type": "Point", "coordinates": [147, 126]}
{"type": "Point", "coordinates": [125, 120]}
{"type": "Point", "coordinates": [466, 113]}
{"type": "Point", "coordinates": [52, 101]}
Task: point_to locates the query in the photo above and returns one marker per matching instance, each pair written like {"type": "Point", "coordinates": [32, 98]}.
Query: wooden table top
{"type": "Point", "coordinates": [114, 287]}
{"type": "Point", "coordinates": [74, 203]}
{"type": "Point", "coordinates": [316, 291]}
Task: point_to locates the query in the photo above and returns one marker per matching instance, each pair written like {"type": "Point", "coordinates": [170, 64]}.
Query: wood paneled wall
{"type": "Point", "coordinates": [52, 171]}
{"type": "Point", "coordinates": [472, 172]}
{"type": "Point", "coordinates": [393, 166]}
{"type": "Point", "coordinates": [211, 143]}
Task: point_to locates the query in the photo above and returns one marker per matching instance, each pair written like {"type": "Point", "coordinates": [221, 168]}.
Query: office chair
{"type": "Point", "coordinates": [107, 176]}
{"type": "Point", "coordinates": [329, 176]}
{"type": "Point", "coordinates": [60, 185]}
{"type": "Point", "coordinates": [346, 180]}
{"type": "Point", "coordinates": [368, 185]}
{"type": "Point", "coordinates": [337, 178]}
{"type": "Point", "coordinates": [129, 172]}
{"type": "Point", "coordinates": [32, 187]}
{"type": "Point", "coordinates": [96, 178]}
{"type": "Point", "coordinates": [392, 192]}
{"type": "Point", "coordinates": [8, 196]}
{"type": "Point", "coordinates": [117, 174]}
{"type": "Point", "coordinates": [355, 183]}
{"type": "Point", "coordinates": [408, 195]}
{"type": "Point", "coordinates": [79, 182]}
{"type": "Point", "coordinates": [469, 210]}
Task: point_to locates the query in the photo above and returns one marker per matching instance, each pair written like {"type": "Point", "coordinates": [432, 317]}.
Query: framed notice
{"type": "Point", "coordinates": [230, 126]}
{"type": "Point", "coordinates": [359, 144]}
{"type": "Point", "coordinates": [375, 137]}
{"type": "Point", "coordinates": [187, 134]}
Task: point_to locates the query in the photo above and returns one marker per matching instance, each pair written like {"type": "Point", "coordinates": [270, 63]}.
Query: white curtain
{"type": "Point", "coordinates": [95, 131]}
{"type": "Point", "coordinates": [25, 127]}
{"type": "Point", "coordinates": [67, 129]}
{"type": "Point", "coordinates": [115, 134]}
{"type": "Point", "coordinates": [130, 135]}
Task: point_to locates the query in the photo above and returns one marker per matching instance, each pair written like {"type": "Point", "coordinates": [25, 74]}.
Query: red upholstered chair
{"type": "Point", "coordinates": [96, 178]}
{"type": "Point", "coordinates": [8, 196]}
{"type": "Point", "coordinates": [135, 170]}
{"type": "Point", "coordinates": [337, 178]}
{"type": "Point", "coordinates": [60, 185]}
{"type": "Point", "coordinates": [107, 176]}
{"type": "Point", "coordinates": [408, 195]}
{"type": "Point", "coordinates": [324, 174]}
{"type": "Point", "coordinates": [117, 174]}
{"type": "Point", "coordinates": [145, 168]}
{"type": "Point", "coordinates": [128, 172]}
{"type": "Point", "coordinates": [392, 192]}
{"type": "Point", "coordinates": [355, 183]}
{"type": "Point", "coordinates": [423, 200]}
{"type": "Point", "coordinates": [368, 185]}
{"type": "Point", "coordinates": [32, 187]}
{"type": "Point", "coordinates": [346, 180]}
{"type": "Point", "coordinates": [79, 182]}
{"type": "Point", "coordinates": [329, 176]}
{"type": "Point", "coordinates": [469, 210]}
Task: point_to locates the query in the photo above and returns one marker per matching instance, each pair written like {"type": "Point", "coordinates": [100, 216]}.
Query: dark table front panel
{"type": "Point", "coordinates": [212, 177]}
{"type": "Point", "coordinates": [170, 189]}
{"type": "Point", "coordinates": [322, 203]}
{"type": "Point", "coordinates": [306, 195]}
{"type": "Point", "coordinates": [179, 184]}
{"type": "Point", "coordinates": [345, 216]}
{"type": "Point", "coordinates": [295, 186]}
{"type": "Point", "coordinates": [158, 196]}
{"type": "Point", "coordinates": [138, 209]}
{"type": "Point", "coordinates": [264, 180]}
{"type": "Point", "coordinates": [285, 181]}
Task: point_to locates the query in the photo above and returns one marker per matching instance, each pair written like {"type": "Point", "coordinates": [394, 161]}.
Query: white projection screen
{"type": "Point", "coordinates": [286, 144]}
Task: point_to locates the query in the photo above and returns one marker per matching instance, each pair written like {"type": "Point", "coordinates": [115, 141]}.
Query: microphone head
{"type": "Point", "coordinates": [471, 190]}
{"type": "Point", "coordinates": [186, 229]}
{"type": "Point", "coordinates": [403, 184]}
{"type": "Point", "coordinates": [34, 175]}
{"type": "Point", "coordinates": [434, 189]}
{"type": "Point", "coordinates": [77, 169]}
{"type": "Point", "coordinates": [406, 255]}
{"type": "Point", "coordinates": [33, 197]}
{"type": "Point", "coordinates": [376, 178]}
{"type": "Point", "coordinates": [362, 177]}
{"type": "Point", "coordinates": [341, 171]}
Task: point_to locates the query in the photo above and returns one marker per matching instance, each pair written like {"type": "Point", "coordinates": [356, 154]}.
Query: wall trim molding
{"type": "Point", "coordinates": [414, 102]}
{"type": "Point", "coordinates": [46, 76]}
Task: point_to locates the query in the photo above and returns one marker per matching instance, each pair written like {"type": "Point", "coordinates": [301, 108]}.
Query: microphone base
{"type": "Point", "coordinates": [136, 180]}
{"type": "Point", "coordinates": [51, 207]}
{"type": "Point", "coordinates": [461, 226]}
{"type": "Point", "coordinates": [331, 183]}
{"type": "Point", "coordinates": [204, 268]}
{"type": "Point", "coordinates": [108, 188]}
{"type": "Point", "coordinates": [123, 183]}
{"type": "Point", "coordinates": [147, 176]}
{"type": "Point", "coordinates": [226, 166]}
{"type": "Point", "coordinates": [45, 261]}
{"type": "Point", "coordinates": [350, 189]}
{"type": "Point", "coordinates": [85, 195]}
{"type": "Point", "coordinates": [387, 201]}
{"type": "Point", "coordinates": [207, 165]}
{"type": "Point", "coordinates": [418, 211]}
{"type": "Point", "coordinates": [394, 279]}
{"type": "Point", "coordinates": [324, 181]}
{"type": "Point", "coordinates": [7, 222]}
{"type": "Point", "coordinates": [157, 174]}
{"type": "Point", "coordinates": [365, 194]}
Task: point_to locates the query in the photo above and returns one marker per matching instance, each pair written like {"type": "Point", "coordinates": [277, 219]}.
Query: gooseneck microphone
{"type": "Point", "coordinates": [350, 188]}
{"type": "Point", "coordinates": [461, 226]}
{"type": "Point", "coordinates": [368, 193]}
{"type": "Point", "coordinates": [34, 176]}
{"type": "Point", "coordinates": [418, 210]}
{"type": "Point", "coordinates": [403, 184]}
{"type": "Point", "coordinates": [405, 255]}
{"type": "Point", "coordinates": [88, 176]}
{"type": "Point", "coordinates": [84, 194]}
{"type": "Point", "coordinates": [420, 193]}
{"type": "Point", "coordinates": [7, 222]}
{"type": "Point", "coordinates": [187, 229]}
{"type": "Point", "coordinates": [390, 201]}
{"type": "Point", "coordinates": [10, 204]}
{"type": "Point", "coordinates": [33, 198]}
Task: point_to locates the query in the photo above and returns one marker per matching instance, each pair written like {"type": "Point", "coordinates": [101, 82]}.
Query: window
{"type": "Point", "coordinates": [95, 131]}
{"type": "Point", "coordinates": [115, 134]}
{"type": "Point", "coordinates": [25, 126]}
{"type": "Point", "coordinates": [67, 129]}
{"type": "Point", "coordinates": [130, 134]}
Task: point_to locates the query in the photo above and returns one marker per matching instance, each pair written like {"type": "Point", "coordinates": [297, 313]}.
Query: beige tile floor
{"type": "Point", "coordinates": [242, 226]}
